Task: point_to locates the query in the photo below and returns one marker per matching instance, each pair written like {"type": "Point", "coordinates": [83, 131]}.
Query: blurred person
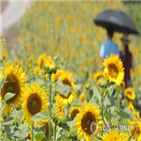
{"type": "Point", "coordinates": [127, 59]}
{"type": "Point", "coordinates": [109, 46]}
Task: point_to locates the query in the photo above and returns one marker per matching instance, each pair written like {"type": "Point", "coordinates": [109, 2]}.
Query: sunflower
{"type": "Point", "coordinates": [45, 122]}
{"type": "Point", "coordinates": [137, 115]}
{"type": "Point", "coordinates": [113, 135]}
{"type": "Point", "coordinates": [114, 69]}
{"type": "Point", "coordinates": [82, 97]}
{"type": "Point", "coordinates": [66, 79]}
{"type": "Point", "coordinates": [74, 111]}
{"type": "Point", "coordinates": [58, 74]}
{"type": "Point", "coordinates": [0, 99]}
{"type": "Point", "coordinates": [15, 79]}
{"type": "Point", "coordinates": [85, 118]}
{"type": "Point", "coordinates": [130, 93]}
{"type": "Point", "coordinates": [41, 61]}
{"type": "Point", "coordinates": [97, 75]}
{"type": "Point", "coordinates": [122, 84]}
{"type": "Point", "coordinates": [135, 129]}
{"type": "Point", "coordinates": [130, 106]}
{"type": "Point", "coordinates": [34, 101]}
{"type": "Point", "coordinates": [49, 65]}
{"type": "Point", "coordinates": [139, 138]}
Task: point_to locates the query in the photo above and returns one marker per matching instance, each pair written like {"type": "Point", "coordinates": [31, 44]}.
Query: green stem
{"type": "Point", "coordinates": [67, 111]}
{"type": "Point", "coordinates": [110, 117]}
{"type": "Point", "coordinates": [32, 132]}
{"type": "Point", "coordinates": [50, 91]}
{"type": "Point", "coordinates": [102, 107]}
{"type": "Point", "coordinates": [55, 132]}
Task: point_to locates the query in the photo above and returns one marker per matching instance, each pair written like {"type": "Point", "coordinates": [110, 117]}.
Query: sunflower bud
{"type": "Point", "coordinates": [73, 135]}
{"type": "Point", "coordinates": [102, 82]}
{"type": "Point", "coordinates": [58, 116]}
{"type": "Point", "coordinates": [49, 66]}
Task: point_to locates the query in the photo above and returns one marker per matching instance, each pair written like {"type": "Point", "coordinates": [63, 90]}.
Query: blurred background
{"type": "Point", "coordinates": [65, 31]}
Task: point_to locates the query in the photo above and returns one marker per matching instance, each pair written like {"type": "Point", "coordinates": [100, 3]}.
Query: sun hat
{"type": "Point", "coordinates": [125, 39]}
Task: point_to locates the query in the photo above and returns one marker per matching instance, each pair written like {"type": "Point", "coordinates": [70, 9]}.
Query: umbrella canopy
{"type": "Point", "coordinates": [119, 20]}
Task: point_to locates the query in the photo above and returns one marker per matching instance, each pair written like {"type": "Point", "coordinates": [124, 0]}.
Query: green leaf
{"type": "Point", "coordinates": [71, 123]}
{"type": "Point", "coordinates": [66, 127]}
{"type": "Point", "coordinates": [0, 62]}
{"type": "Point", "coordinates": [3, 81]}
{"type": "Point", "coordinates": [119, 89]}
{"type": "Point", "coordinates": [24, 127]}
{"type": "Point", "coordinates": [8, 96]}
{"type": "Point", "coordinates": [40, 116]}
{"type": "Point", "coordinates": [111, 89]}
{"type": "Point", "coordinates": [95, 89]}
{"type": "Point", "coordinates": [62, 89]}
{"type": "Point", "coordinates": [41, 128]}
{"type": "Point", "coordinates": [39, 135]}
{"type": "Point", "coordinates": [8, 121]}
{"type": "Point", "coordinates": [126, 113]}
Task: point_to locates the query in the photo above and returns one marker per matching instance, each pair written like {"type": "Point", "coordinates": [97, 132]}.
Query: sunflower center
{"type": "Point", "coordinates": [129, 93]}
{"type": "Point", "coordinates": [12, 85]}
{"type": "Point", "coordinates": [74, 112]}
{"type": "Point", "coordinates": [86, 121]}
{"type": "Point", "coordinates": [113, 70]}
{"type": "Point", "coordinates": [11, 88]}
{"type": "Point", "coordinates": [34, 104]}
{"type": "Point", "coordinates": [41, 64]}
{"type": "Point", "coordinates": [135, 132]}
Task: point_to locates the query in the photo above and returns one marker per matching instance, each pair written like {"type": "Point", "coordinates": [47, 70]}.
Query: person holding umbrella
{"type": "Point", "coordinates": [118, 20]}
{"type": "Point", "coordinates": [127, 59]}
{"type": "Point", "coordinates": [109, 47]}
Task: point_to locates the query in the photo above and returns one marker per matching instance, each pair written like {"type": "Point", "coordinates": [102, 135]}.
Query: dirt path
{"type": "Point", "coordinates": [3, 5]}
{"type": "Point", "coordinates": [12, 14]}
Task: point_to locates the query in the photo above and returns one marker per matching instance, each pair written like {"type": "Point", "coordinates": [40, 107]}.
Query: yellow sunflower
{"type": "Point", "coordinates": [114, 69]}
{"type": "Point", "coordinates": [139, 138]}
{"type": "Point", "coordinates": [15, 79]}
{"type": "Point", "coordinates": [85, 118]}
{"type": "Point", "coordinates": [45, 122]}
{"type": "Point", "coordinates": [66, 79]}
{"type": "Point", "coordinates": [135, 129]}
{"type": "Point", "coordinates": [130, 105]}
{"type": "Point", "coordinates": [97, 75]}
{"type": "Point", "coordinates": [113, 135]}
{"type": "Point", "coordinates": [41, 61]}
{"type": "Point", "coordinates": [74, 111]}
{"type": "Point", "coordinates": [49, 65]}
{"type": "Point", "coordinates": [122, 84]}
{"type": "Point", "coordinates": [0, 99]}
{"type": "Point", "coordinates": [58, 74]}
{"type": "Point", "coordinates": [130, 93]}
{"type": "Point", "coordinates": [34, 101]}
{"type": "Point", "coordinates": [137, 114]}
{"type": "Point", "coordinates": [82, 97]}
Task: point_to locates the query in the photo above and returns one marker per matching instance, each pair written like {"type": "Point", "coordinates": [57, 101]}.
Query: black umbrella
{"type": "Point", "coordinates": [119, 20]}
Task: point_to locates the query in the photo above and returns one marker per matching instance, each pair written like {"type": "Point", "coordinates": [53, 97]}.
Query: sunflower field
{"type": "Point", "coordinates": [52, 85]}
